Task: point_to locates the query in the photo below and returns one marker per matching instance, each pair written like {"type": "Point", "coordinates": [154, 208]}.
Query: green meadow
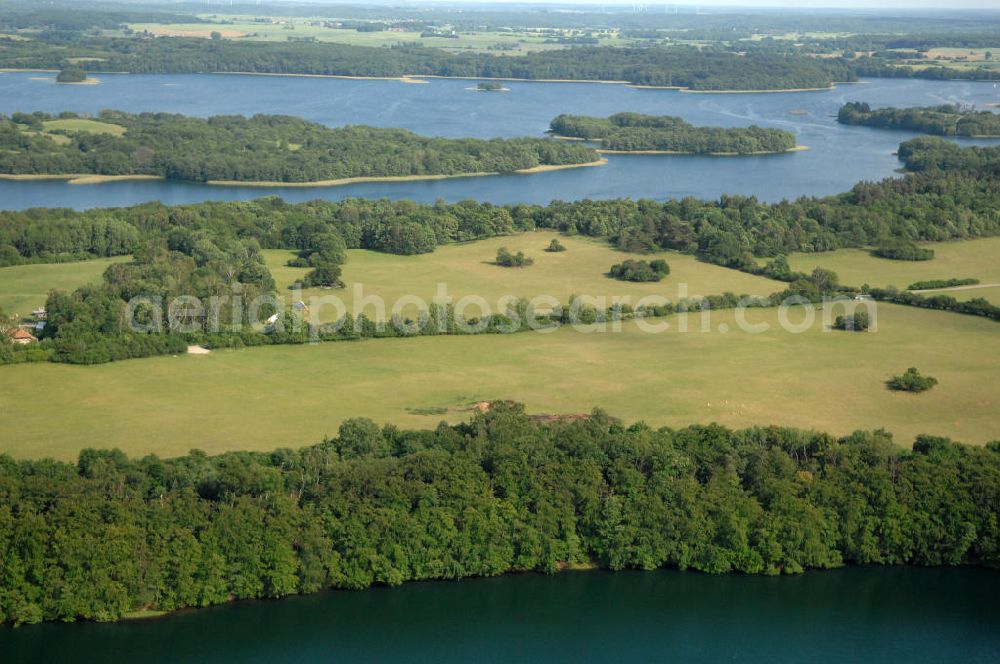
{"type": "Point", "coordinates": [25, 287]}
{"type": "Point", "coordinates": [468, 269]}
{"type": "Point", "coordinates": [288, 396]}
{"type": "Point", "coordinates": [84, 125]}
{"type": "Point", "coordinates": [282, 28]}
{"type": "Point", "coordinates": [970, 258]}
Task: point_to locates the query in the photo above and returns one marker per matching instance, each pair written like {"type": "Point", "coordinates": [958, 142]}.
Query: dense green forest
{"type": "Point", "coordinates": [261, 148]}
{"type": "Point", "coordinates": [944, 120]}
{"type": "Point", "coordinates": [210, 249]}
{"type": "Point", "coordinates": [635, 131]}
{"type": "Point", "coordinates": [504, 492]}
{"type": "Point", "coordinates": [686, 67]}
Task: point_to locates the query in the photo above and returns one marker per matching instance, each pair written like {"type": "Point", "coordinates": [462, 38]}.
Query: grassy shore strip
{"type": "Point", "coordinates": [401, 79]}
{"type": "Point", "coordinates": [398, 178]}
{"type": "Point", "coordinates": [746, 92]}
{"type": "Point", "coordinates": [797, 148]}
{"type": "Point", "coordinates": [523, 80]}
{"type": "Point", "coordinates": [77, 178]}
{"type": "Point", "coordinates": [88, 81]}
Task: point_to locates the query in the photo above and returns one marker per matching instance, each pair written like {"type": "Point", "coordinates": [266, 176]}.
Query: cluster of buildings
{"type": "Point", "coordinates": [25, 334]}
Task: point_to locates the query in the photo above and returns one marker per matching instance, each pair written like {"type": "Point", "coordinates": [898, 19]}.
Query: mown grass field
{"type": "Point", "coordinates": [287, 396]}
{"type": "Point", "coordinates": [284, 28]}
{"type": "Point", "coordinates": [990, 293]}
{"type": "Point", "coordinates": [971, 258]}
{"type": "Point", "coordinates": [468, 269]}
{"type": "Point", "coordinates": [84, 125]}
{"type": "Point", "coordinates": [25, 287]}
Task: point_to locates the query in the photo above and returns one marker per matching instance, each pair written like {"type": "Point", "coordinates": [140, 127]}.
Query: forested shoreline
{"type": "Point", "coordinates": [676, 67]}
{"type": "Point", "coordinates": [262, 148]}
{"type": "Point", "coordinates": [502, 493]}
{"type": "Point", "coordinates": [635, 132]}
{"type": "Point", "coordinates": [760, 67]}
{"type": "Point", "coordinates": [943, 120]}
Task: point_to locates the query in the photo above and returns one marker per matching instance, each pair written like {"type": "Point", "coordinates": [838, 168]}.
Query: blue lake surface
{"type": "Point", "coordinates": [885, 615]}
{"type": "Point", "coordinates": [839, 156]}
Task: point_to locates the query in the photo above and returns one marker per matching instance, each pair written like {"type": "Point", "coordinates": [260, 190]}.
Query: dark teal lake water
{"type": "Point", "coordinates": [839, 157]}
{"type": "Point", "coordinates": [850, 615]}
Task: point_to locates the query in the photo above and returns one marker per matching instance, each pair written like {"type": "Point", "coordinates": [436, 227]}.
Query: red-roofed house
{"type": "Point", "coordinates": [20, 336]}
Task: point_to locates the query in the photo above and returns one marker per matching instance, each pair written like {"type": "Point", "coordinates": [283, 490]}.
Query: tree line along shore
{"type": "Point", "coordinates": [110, 537]}
{"type": "Point", "coordinates": [745, 67]}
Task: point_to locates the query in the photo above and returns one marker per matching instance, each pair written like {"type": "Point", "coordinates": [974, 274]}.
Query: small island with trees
{"type": "Point", "coordinates": [944, 120]}
{"type": "Point", "coordinates": [491, 86]}
{"type": "Point", "coordinates": [73, 75]}
{"type": "Point", "coordinates": [666, 134]}
{"type": "Point", "coordinates": [261, 150]}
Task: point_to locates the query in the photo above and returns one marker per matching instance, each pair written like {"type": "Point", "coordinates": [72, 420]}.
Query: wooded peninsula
{"type": "Point", "coordinates": [635, 132]}
{"type": "Point", "coordinates": [263, 148]}
{"type": "Point", "coordinates": [943, 120]}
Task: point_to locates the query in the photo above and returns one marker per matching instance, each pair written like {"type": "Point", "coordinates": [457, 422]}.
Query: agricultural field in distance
{"type": "Point", "coordinates": [260, 398]}
{"type": "Point", "coordinates": [958, 58]}
{"type": "Point", "coordinates": [964, 259]}
{"type": "Point", "coordinates": [25, 287]}
{"type": "Point", "coordinates": [468, 269]}
{"type": "Point", "coordinates": [84, 125]}
{"type": "Point", "coordinates": [283, 28]}
{"type": "Point", "coordinates": [74, 125]}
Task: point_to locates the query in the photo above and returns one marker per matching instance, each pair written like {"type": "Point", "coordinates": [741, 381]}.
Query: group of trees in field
{"type": "Point", "coordinates": [503, 492]}
{"type": "Point", "coordinates": [930, 284]}
{"type": "Point", "coordinates": [630, 132]}
{"type": "Point", "coordinates": [859, 321]}
{"type": "Point", "coordinates": [505, 258]}
{"type": "Point", "coordinates": [944, 120]}
{"type": "Point", "coordinates": [911, 381]}
{"type": "Point", "coordinates": [902, 250]}
{"type": "Point", "coordinates": [641, 271]}
{"type": "Point", "coordinates": [273, 148]}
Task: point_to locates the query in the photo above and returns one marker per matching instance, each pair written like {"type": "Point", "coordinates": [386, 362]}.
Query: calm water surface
{"type": "Point", "coordinates": [839, 157]}
{"type": "Point", "coordinates": [851, 615]}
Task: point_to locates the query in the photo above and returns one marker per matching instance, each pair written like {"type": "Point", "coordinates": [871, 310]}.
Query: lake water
{"type": "Point", "coordinates": [849, 615]}
{"type": "Point", "coordinates": [839, 156]}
